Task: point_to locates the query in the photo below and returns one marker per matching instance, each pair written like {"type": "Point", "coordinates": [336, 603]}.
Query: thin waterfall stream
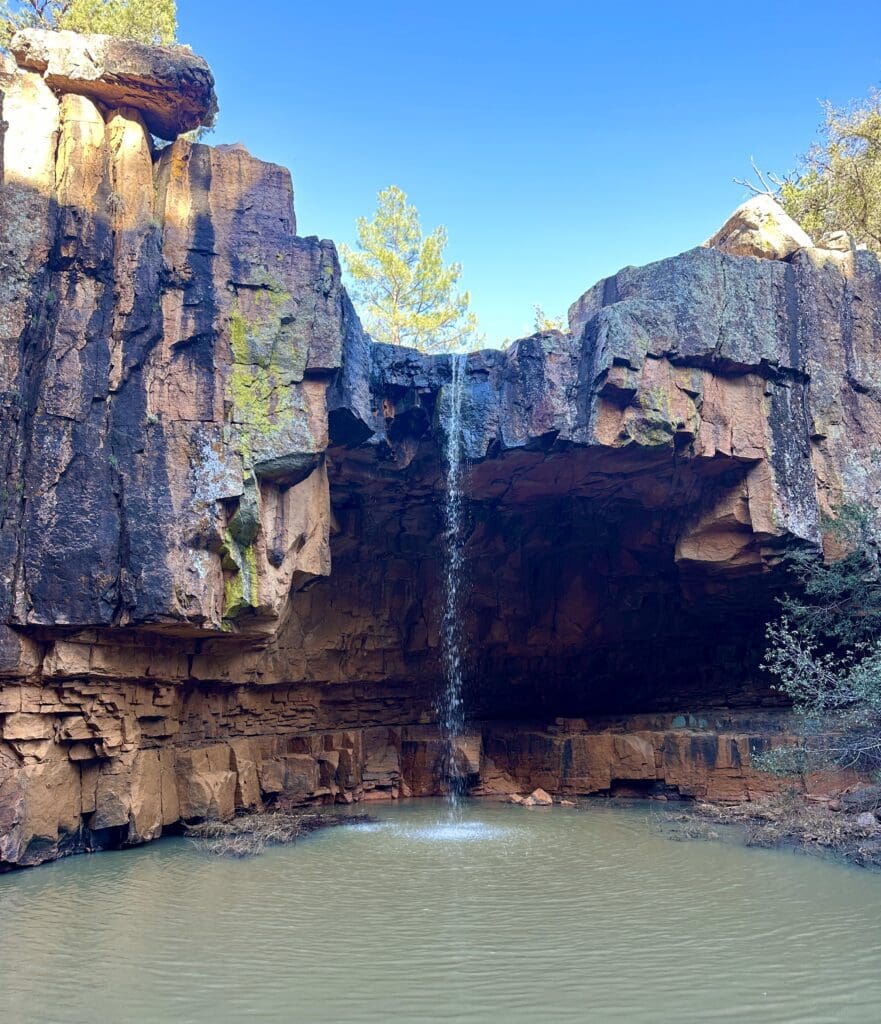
{"type": "Point", "coordinates": [450, 704]}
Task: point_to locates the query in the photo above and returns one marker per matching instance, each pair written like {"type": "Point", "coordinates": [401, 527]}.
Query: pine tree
{"type": "Point", "coordinates": [405, 293]}
{"type": "Point", "coordinates": [542, 322]}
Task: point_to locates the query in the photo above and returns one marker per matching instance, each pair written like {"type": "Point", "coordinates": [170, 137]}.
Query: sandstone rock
{"type": "Point", "coordinates": [245, 757]}
{"type": "Point", "coordinates": [19, 656]}
{"type": "Point", "coordinates": [113, 799]}
{"type": "Point", "coordinates": [467, 754]}
{"type": "Point", "coordinates": [82, 752]}
{"type": "Point", "coordinates": [760, 227]}
{"type": "Point", "coordinates": [301, 776]}
{"type": "Point", "coordinates": [634, 757]}
{"type": "Point", "coordinates": [381, 758]}
{"type": "Point", "coordinates": [494, 782]}
{"type": "Point", "coordinates": [170, 86]}
{"type": "Point", "coordinates": [373, 795]}
{"type": "Point", "coordinates": [838, 241]}
{"type": "Point", "coordinates": [47, 812]}
{"type": "Point", "coordinates": [206, 788]}
{"type": "Point", "coordinates": [538, 798]}
{"type": "Point", "coordinates": [27, 727]}
{"type": "Point", "coordinates": [146, 818]}
{"type": "Point", "coordinates": [265, 293]}
{"type": "Point", "coordinates": [271, 775]}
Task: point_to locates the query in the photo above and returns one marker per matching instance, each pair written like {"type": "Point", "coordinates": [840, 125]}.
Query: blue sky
{"type": "Point", "coordinates": [557, 142]}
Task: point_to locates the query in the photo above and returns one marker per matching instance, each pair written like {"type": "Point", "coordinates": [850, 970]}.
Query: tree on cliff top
{"type": "Point", "coordinates": [825, 650]}
{"type": "Point", "coordinates": [404, 291]}
{"type": "Point", "coordinates": [542, 322]}
{"type": "Point", "coordinates": [147, 21]}
{"type": "Point", "coordinates": [838, 186]}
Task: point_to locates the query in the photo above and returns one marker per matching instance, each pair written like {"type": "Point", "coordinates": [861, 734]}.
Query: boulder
{"type": "Point", "coordinates": [760, 227]}
{"type": "Point", "coordinates": [169, 86]}
{"type": "Point", "coordinates": [837, 241]}
{"type": "Point", "coordinates": [538, 798]}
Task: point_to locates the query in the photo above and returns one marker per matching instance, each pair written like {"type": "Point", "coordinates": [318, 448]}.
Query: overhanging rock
{"type": "Point", "coordinates": [169, 86]}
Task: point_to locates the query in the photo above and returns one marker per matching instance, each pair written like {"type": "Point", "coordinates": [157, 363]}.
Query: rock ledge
{"type": "Point", "coordinates": [170, 86]}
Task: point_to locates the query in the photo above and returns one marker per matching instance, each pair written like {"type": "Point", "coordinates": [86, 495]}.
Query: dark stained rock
{"type": "Point", "coordinates": [169, 86]}
{"type": "Point", "coordinates": [704, 356]}
{"type": "Point", "coordinates": [160, 318]}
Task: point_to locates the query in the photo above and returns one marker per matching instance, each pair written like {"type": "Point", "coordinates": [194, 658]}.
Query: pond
{"type": "Point", "coordinates": [509, 915]}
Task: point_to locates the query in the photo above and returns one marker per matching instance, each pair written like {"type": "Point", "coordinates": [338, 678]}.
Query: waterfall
{"type": "Point", "coordinates": [450, 706]}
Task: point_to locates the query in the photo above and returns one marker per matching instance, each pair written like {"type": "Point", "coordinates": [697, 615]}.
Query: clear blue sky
{"type": "Point", "coordinates": [557, 142]}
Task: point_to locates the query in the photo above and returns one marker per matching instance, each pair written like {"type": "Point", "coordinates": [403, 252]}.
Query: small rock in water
{"type": "Point", "coordinates": [567, 803]}
{"type": "Point", "coordinates": [516, 798]}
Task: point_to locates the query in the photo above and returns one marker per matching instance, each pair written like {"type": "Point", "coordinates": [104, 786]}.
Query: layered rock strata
{"type": "Point", "coordinates": [220, 528]}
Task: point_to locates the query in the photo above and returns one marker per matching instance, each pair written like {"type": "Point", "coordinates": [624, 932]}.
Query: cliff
{"type": "Point", "coordinates": [220, 540]}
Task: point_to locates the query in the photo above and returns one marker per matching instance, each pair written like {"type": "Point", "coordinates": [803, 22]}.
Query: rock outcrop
{"type": "Point", "coordinates": [170, 87]}
{"type": "Point", "coordinates": [220, 531]}
{"type": "Point", "coordinates": [167, 341]}
{"type": "Point", "coordinates": [759, 227]}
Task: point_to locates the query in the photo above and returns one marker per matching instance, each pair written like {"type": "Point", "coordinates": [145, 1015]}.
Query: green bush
{"type": "Point", "coordinates": [147, 21]}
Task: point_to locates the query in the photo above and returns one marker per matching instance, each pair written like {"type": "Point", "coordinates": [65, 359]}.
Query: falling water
{"type": "Point", "coordinates": [450, 707]}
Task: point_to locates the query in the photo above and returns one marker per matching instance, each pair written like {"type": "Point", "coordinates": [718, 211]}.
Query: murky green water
{"type": "Point", "coordinates": [514, 915]}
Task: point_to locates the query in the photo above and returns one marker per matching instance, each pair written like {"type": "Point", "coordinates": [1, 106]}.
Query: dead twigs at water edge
{"type": "Point", "coordinates": [250, 834]}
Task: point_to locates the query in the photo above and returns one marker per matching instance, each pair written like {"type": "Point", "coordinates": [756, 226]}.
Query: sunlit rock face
{"type": "Point", "coordinates": [171, 87]}
{"type": "Point", "coordinates": [221, 536]}
{"type": "Point", "coordinates": [760, 227]}
{"type": "Point", "coordinates": [167, 343]}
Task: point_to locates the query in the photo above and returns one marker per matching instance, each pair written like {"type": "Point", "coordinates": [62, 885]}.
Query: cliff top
{"type": "Point", "coordinates": [169, 86]}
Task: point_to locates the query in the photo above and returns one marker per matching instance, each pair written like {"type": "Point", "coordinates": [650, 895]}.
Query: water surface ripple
{"type": "Point", "coordinates": [506, 915]}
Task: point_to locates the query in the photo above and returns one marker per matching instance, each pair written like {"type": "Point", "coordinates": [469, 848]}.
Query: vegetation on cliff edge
{"type": "Point", "coordinates": [838, 185]}
{"type": "Point", "coordinates": [404, 291]}
{"type": "Point", "coordinates": [147, 21]}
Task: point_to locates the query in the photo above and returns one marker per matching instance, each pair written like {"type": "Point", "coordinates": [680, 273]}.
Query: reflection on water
{"type": "Point", "coordinates": [507, 915]}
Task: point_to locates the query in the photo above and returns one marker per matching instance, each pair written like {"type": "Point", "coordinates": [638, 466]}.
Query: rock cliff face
{"type": "Point", "coordinates": [220, 539]}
